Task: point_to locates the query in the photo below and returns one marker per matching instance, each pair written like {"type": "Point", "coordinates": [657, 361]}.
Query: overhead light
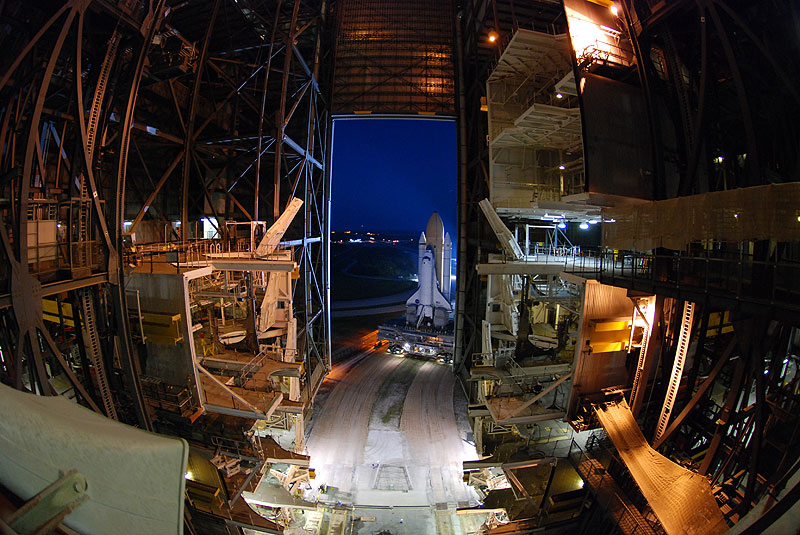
{"type": "Point", "coordinates": [562, 225]}
{"type": "Point", "coordinates": [562, 166]}
{"type": "Point", "coordinates": [559, 95]}
{"type": "Point", "coordinates": [584, 226]}
{"type": "Point", "coordinates": [593, 221]}
{"type": "Point", "coordinates": [614, 10]}
{"type": "Point", "coordinates": [493, 36]}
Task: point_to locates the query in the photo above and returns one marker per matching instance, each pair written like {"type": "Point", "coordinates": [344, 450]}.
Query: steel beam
{"type": "Point", "coordinates": [742, 335]}
{"type": "Point", "coordinates": [707, 382]}
{"type": "Point", "coordinates": [189, 142]}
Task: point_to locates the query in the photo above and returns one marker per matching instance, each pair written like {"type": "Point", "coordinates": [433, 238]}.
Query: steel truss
{"type": "Point", "coordinates": [127, 123]}
{"type": "Point", "coordinates": [476, 55]}
{"type": "Point", "coordinates": [393, 57]}
{"type": "Point", "coordinates": [58, 158]}
{"type": "Point", "coordinates": [738, 421]}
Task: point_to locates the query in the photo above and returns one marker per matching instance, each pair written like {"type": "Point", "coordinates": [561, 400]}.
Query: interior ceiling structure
{"type": "Point", "coordinates": [165, 228]}
{"type": "Point", "coordinates": [393, 58]}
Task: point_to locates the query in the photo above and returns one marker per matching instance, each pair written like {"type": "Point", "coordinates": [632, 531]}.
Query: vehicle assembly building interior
{"type": "Point", "coordinates": [626, 314]}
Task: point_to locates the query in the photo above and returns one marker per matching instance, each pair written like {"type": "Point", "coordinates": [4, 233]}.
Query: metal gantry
{"type": "Point", "coordinates": [146, 123]}
{"type": "Point", "coordinates": [137, 130]}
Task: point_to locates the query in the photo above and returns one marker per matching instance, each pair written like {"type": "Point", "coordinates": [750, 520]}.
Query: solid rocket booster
{"type": "Point", "coordinates": [447, 253]}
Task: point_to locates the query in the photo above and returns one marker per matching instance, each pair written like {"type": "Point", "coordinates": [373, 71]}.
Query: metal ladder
{"type": "Point", "coordinates": [637, 378]}
{"type": "Point", "coordinates": [677, 368]}
{"type": "Point", "coordinates": [85, 202]}
{"type": "Point", "coordinates": [92, 344]}
{"type": "Point", "coordinates": [100, 92]}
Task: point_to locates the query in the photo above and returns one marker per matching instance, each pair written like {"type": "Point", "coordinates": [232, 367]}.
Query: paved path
{"type": "Point", "coordinates": [387, 436]}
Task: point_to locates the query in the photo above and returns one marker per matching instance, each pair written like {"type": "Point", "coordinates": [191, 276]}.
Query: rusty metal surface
{"type": "Point", "coordinates": [681, 499]}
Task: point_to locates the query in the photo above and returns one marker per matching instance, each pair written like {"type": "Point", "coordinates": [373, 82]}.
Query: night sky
{"type": "Point", "coordinates": [391, 174]}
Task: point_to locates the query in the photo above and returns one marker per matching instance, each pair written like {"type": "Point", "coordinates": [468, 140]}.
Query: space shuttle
{"type": "Point", "coordinates": [431, 302]}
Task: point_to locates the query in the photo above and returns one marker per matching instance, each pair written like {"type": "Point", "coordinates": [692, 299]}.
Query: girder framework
{"type": "Point", "coordinates": [394, 57]}
{"type": "Point", "coordinates": [133, 130]}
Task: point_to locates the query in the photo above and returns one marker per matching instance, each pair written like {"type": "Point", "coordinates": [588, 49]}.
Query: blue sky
{"type": "Point", "coordinates": [391, 174]}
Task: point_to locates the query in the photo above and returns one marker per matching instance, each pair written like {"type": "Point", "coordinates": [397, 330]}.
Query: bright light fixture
{"type": "Point", "coordinates": [593, 221]}
{"type": "Point", "coordinates": [614, 10]}
{"type": "Point", "coordinates": [584, 226]}
{"type": "Point", "coordinates": [493, 36]}
{"type": "Point", "coordinates": [562, 166]}
{"type": "Point", "coordinates": [562, 225]}
{"type": "Point", "coordinates": [559, 95]}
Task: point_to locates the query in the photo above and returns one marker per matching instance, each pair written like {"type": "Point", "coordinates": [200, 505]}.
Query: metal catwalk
{"type": "Point", "coordinates": [681, 499]}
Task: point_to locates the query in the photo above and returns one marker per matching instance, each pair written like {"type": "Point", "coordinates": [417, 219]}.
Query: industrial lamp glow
{"type": "Point", "coordinates": [614, 10]}
{"type": "Point", "coordinates": [493, 36]}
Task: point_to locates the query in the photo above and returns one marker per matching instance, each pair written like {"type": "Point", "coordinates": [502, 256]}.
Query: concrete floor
{"type": "Point", "coordinates": [387, 449]}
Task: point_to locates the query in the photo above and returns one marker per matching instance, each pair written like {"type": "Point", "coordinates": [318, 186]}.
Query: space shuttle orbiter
{"type": "Point", "coordinates": [427, 303]}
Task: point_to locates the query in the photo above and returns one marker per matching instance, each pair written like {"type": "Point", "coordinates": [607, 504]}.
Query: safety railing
{"type": "Point", "coordinates": [252, 368]}
{"type": "Point", "coordinates": [725, 274]}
